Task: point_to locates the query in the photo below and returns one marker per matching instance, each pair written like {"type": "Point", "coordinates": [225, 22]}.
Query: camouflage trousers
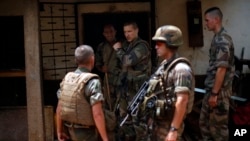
{"type": "Point", "coordinates": [110, 94]}
{"type": "Point", "coordinates": [111, 103]}
{"type": "Point", "coordinates": [133, 129]}
{"type": "Point", "coordinates": [214, 121]}
{"type": "Point", "coordinates": [134, 132]}
{"type": "Point", "coordinates": [129, 131]}
{"type": "Point", "coordinates": [161, 130]}
{"type": "Point", "coordinates": [125, 95]}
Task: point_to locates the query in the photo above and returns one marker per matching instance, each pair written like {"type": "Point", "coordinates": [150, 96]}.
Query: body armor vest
{"type": "Point", "coordinates": [164, 96]}
{"type": "Point", "coordinates": [75, 107]}
{"type": "Point", "coordinates": [191, 94]}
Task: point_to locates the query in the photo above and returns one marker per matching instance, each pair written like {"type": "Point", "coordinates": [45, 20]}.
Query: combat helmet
{"type": "Point", "coordinates": [170, 34]}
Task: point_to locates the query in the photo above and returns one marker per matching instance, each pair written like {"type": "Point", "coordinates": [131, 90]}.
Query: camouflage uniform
{"type": "Point", "coordinates": [93, 95]}
{"type": "Point", "coordinates": [178, 79]}
{"type": "Point", "coordinates": [105, 55]}
{"type": "Point", "coordinates": [135, 58]}
{"type": "Point", "coordinates": [214, 122]}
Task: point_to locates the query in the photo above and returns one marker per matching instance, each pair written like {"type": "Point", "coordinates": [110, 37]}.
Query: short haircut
{"type": "Point", "coordinates": [215, 11]}
{"type": "Point", "coordinates": [83, 54]}
{"type": "Point", "coordinates": [134, 24]}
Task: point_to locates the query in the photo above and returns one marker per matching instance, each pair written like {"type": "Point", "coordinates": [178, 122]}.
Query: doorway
{"type": "Point", "coordinates": [93, 27]}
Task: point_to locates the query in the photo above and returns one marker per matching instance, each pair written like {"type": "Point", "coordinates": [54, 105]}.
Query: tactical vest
{"type": "Point", "coordinates": [147, 59]}
{"type": "Point", "coordinates": [191, 94]}
{"type": "Point", "coordinates": [74, 106]}
{"type": "Point", "coordinates": [165, 97]}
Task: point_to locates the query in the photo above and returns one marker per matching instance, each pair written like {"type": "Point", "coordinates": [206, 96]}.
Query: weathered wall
{"type": "Point", "coordinates": [236, 21]}
{"type": "Point", "coordinates": [236, 13]}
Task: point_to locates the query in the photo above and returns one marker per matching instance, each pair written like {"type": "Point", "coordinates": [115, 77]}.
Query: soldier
{"type": "Point", "coordinates": [171, 88]}
{"type": "Point", "coordinates": [80, 101]}
{"type": "Point", "coordinates": [107, 63]}
{"type": "Point", "coordinates": [135, 57]}
{"type": "Point", "coordinates": [218, 83]}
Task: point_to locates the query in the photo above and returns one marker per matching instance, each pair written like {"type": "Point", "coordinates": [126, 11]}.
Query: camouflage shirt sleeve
{"type": "Point", "coordinates": [183, 78]}
{"type": "Point", "coordinates": [137, 53]}
{"type": "Point", "coordinates": [93, 91]}
{"type": "Point", "coordinates": [222, 51]}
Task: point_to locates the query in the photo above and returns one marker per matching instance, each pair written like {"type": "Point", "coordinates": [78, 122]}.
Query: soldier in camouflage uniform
{"type": "Point", "coordinates": [135, 57]}
{"type": "Point", "coordinates": [84, 56]}
{"type": "Point", "coordinates": [218, 83]}
{"type": "Point", "coordinates": [171, 89]}
{"type": "Point", "coordinates": [107, 63]}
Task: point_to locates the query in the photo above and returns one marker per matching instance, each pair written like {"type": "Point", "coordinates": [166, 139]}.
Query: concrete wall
{"type": "Point", "coordinates": [236, 13]}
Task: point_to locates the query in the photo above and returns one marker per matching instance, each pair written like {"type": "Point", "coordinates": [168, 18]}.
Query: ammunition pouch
{"type": "Point", "coordinates": [148, 102]}
{"type": "Point", "coordinates": [163, 110]}
{"type": "Point", "coordinates": [153, 83]}
{"type": "Point", "coordinates": [160, 107]}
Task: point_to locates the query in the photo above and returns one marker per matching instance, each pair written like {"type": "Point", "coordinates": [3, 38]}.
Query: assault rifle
{"type": "Point", "coordinates": [132, 108]}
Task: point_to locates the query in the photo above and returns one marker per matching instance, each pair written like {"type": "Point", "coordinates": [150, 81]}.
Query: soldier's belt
{"type": "Point", "coordinates": [74, 125]}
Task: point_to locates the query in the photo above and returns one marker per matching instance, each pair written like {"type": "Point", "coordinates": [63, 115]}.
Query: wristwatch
{"type": "Point", "coordinates": [172, 129]}
{"type": "Point", "coordinates": [214, 94]}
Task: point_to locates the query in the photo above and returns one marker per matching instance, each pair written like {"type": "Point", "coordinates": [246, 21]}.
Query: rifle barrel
{"type": "Point", "coordinates": [123, 121]}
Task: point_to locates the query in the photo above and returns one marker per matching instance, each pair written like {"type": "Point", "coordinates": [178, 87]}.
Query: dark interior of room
{"type": "Point", "coordinates": [93, 27]}
{"type": "Point", "coordinates": [12, 43]}
{"type": "Point", "coordinates": [12, 59]}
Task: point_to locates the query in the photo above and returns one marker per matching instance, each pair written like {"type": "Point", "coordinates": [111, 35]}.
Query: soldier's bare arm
{"type": "Point", "coordinates": [99, 119]}
{"type": "Point", "coordinates": [59, 125]}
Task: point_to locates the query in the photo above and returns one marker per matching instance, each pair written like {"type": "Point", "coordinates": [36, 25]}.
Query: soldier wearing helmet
{"type": "Point", "coordinates": [171, 88]}
{"type": "Point", "coordinates": [169, 34]}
